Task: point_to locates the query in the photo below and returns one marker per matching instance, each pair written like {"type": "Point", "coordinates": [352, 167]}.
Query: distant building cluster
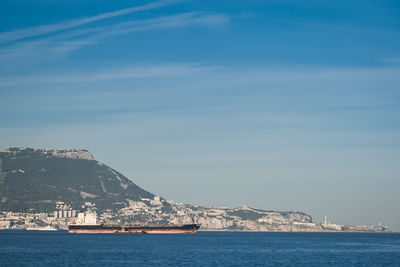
{"type": "Point", "coordinates": [59, 219]}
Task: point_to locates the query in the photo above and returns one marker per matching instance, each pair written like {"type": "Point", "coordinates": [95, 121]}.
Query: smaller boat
{"type": "Point", "coordinates": [43, 228]}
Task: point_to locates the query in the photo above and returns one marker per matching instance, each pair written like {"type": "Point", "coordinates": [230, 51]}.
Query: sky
{"type": "Point", "coordinates": [279, 105]}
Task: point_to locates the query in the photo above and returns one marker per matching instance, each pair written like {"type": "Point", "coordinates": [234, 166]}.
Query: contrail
{"type": "Point", "coordinates": [49, 28]}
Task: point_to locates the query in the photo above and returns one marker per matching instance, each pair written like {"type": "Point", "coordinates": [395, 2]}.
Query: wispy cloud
{"type": "Point", "coordinates": [391, 61]}
{"type": "Point", "coordinates": [292, 81]}
{"type": "Point", "coordinates": [180, 20]}
{"type": "Point", "coordinates": [145, 71]}
{"type": "Point", "coordinates": [50, 28]}
{"type": "Point", "coordinates": [77, 38]}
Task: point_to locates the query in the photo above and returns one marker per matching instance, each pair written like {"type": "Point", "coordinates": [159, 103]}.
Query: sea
{"type": "Point", "coordinates": [33, 248]}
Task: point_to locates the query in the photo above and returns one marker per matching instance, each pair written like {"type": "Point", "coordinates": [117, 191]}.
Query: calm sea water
{"type": "Point", "coordinates": [202, 249]}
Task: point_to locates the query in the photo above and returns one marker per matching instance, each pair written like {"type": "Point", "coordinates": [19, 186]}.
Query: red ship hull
{"type": "Point", "coordinates": [110, 229]}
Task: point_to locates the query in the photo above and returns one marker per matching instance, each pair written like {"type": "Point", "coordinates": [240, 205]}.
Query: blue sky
{"type": "Point", "coordinates": [285, 105]}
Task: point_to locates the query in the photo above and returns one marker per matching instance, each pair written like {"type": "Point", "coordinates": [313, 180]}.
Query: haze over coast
{"type": "Point", "coordinates": [42, 188]}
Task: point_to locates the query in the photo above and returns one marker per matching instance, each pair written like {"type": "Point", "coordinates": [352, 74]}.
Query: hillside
{"type": "Point", "coordinates": [35, 179]}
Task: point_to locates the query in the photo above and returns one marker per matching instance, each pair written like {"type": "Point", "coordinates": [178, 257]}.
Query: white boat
{"type": "Point", "coordinates": [45, 228]}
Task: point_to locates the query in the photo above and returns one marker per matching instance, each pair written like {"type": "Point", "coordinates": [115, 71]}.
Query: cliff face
{"type": "Point", "coordinates": [243, 218]}
{"type": "Point", "coordinates": [237, 219]}
{"type": "Point", "coordinates": [35, 179]}
{"type": "Point", "coordinates": [159, 211]}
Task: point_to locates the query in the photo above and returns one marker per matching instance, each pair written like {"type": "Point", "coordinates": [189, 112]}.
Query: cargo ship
{"type": "Point", "coordinates": [134, 229]}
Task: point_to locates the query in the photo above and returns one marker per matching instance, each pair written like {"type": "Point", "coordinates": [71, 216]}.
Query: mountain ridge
{"type": "Point", "coordinates": [35, 179]}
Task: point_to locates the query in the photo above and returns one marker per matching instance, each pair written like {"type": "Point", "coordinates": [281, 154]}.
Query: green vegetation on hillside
{"type": "Point", "coordinates": [33, 180]}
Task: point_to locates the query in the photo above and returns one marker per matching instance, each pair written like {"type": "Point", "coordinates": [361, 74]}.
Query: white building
{"type": "Point", "coordinates": [90, 218]}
